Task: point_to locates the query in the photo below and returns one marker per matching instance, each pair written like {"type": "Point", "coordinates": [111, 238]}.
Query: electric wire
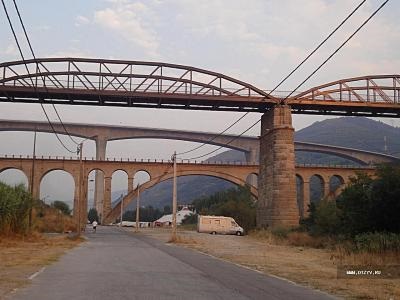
{"type": "Point", "coordinates": [284, 79]}
{"type": "Point", "coordinates": [308, 77]}
{"type": "Point", "coordinates": [34, 56]}
{"type": "Point", "coordinates": [27, 69]}
{"type": "Point", "coordinates": [337, 50]}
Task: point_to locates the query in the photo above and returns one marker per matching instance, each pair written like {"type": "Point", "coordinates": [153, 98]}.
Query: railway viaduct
{"type": "Point", "coordinates": [162, 170]}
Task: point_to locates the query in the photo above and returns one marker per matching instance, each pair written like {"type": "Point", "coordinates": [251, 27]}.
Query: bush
{"type": "Point", "coordinates": [61, 206]}
{"type": "Point", "coordinates": [323, 219]}
{"type": "Point", "coordinates": [15, 206]}
{"type": "Point", "coordinates": [377, 242]}
{"type": "Point", "coordinates": [280, 232]}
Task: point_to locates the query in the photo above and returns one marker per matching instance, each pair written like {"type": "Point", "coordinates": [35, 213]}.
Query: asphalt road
{"type": "Point", "coordinates": [116, 264]}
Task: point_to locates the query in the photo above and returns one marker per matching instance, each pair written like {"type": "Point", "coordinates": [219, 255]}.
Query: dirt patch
{"type": "Point", "coordinates": [22, 257]}
{"type": "Point", "coordinates": [315, 268]}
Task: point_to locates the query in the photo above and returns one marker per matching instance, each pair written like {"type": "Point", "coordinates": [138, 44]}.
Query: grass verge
{"type": "Point", "coordinates": [21, 256]}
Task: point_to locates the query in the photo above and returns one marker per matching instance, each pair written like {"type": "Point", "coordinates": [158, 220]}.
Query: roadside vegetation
{"type": "Point", "coordinates": [16, 207]}
{"type": "Point", "coordinates": [361, 227]}
{"type": "Point", "coordinates": [24, 249]}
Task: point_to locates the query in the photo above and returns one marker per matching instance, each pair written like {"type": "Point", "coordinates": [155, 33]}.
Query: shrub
{"type": "Point", "coordinates": [15, 206]}
{"type": "Point", "coordinates": [377, 242]}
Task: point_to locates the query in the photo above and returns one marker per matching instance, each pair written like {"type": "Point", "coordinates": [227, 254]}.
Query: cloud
{"type": "Point", "coordinates": [11, 50]}
{"type": "Point", "coordinates": [81, 20]}
{"type": "Point", "coordinates": [130, 20]}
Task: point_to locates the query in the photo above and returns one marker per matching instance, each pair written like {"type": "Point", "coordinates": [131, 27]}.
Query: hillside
{"type": "Point", "coordinates": [360, 133]}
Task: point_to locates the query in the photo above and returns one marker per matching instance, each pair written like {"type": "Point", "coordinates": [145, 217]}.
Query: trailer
{"type": "Point", "coordinates": [218, 225]}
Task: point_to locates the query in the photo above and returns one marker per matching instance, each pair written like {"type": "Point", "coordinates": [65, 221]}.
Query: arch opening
{"type": "Point", "coordinates": [300, 195]}
{"type": "Point", "coordinates": [95, 189]}
{"type": "Point", "coordinates": [317, 184]}
{"type": "Point", "coordinates": [58, 185]}
{"type": "Point", "coordinates": [335, 182]}
{"type": "Point", "coordinates": [119, 186]}
{"type": "Point", "coordinates": [13, 177]}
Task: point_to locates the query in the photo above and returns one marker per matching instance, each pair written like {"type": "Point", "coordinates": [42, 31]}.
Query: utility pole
{"type": "Point", "coordinates": [32, 181]}
{"type": "Point", "coordinates": [122, 208]}
{"type": "Point", "coordinates": [174, 201]}
{"type": "Point", "coordinates": [137, 208]}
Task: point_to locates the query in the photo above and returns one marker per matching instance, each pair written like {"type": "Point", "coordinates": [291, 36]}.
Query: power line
{"type": "Point", "coordinates": [34, 56]}
{"type": "Point", "coordinates": [284, 79]}
{"type": "Point", "coordinates": [338, 49]}
{"type": "Point", "coordinates": [308, 77]}
{"type": "Point", "coordinates": [27, 69]}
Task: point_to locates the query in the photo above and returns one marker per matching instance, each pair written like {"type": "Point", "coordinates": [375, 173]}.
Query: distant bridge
{"type": "Point", "coordinates": [250, 145]}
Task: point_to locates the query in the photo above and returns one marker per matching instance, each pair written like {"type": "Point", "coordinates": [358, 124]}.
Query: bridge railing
{"type": "Point", "coordinates": [167, 161]}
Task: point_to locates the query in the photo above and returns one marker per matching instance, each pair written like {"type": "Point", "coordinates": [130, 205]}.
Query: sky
{"type": "Point", "coordinates": [256, 41]}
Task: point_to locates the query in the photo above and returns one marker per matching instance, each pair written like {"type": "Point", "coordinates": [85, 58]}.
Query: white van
{"type": "Point", "coordinates": [218, 224]}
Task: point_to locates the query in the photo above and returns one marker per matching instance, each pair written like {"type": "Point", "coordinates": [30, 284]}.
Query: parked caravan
{"type": "Point", "coordinates": [218, 224]}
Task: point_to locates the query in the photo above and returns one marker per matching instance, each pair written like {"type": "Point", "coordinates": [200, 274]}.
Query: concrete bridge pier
{"type": "Point", "coordinates": [277, 203]}
{"type": "Point", "coordinates": [252, 156]}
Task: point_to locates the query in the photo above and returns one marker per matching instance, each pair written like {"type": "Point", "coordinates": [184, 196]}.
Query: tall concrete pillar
{"type": "Point", "coordinates": [107, 197]}
{"type": "Point", "coordinates": [277, 203]}
{"type": "Point", "coordinates": [252, 156]}
{"type": "Point", "coordinates": [101, 145]}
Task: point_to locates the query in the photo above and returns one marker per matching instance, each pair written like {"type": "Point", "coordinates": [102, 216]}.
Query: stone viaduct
{"type": "Point", "coordinates": [161, 171]}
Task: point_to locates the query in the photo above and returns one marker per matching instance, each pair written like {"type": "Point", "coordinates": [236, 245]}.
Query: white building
{"type": "Point", "coordinates": [180, 215]}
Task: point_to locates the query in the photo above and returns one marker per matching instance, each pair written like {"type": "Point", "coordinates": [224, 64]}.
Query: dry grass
{"type": "Point", "coordinates": [51, 220]}
{"type": "Point", "coordinates": [179, 239]}
{"type": "Point", "coordinates": [22, 256]}
{"type": "Point", "coordinates": [303, 263]}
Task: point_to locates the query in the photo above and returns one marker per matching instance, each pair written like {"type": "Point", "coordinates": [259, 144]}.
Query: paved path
{"type": "Point", "coordinates": [116, 264]}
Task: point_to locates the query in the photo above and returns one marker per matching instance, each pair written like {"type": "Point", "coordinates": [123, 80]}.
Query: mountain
{"type": "Point", "coordinates": [352, 132]}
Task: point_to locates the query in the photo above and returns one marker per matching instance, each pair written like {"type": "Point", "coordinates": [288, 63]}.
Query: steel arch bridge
{"type": "Point", "coordinates": [103, 82]}
{"type": "Point", "coordinates": [84, 81]}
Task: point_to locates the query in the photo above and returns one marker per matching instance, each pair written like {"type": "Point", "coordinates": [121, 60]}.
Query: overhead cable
{"type": "Point", "coordinates": [34, 56]}
{"type": "Point", "coordinates": [33, 85]}
{"type": "Point", "coordinates": [308, 77]}
{"type": "Point", "coordinates": [283, 80]}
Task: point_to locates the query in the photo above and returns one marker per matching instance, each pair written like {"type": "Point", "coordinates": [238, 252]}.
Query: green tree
{"type": "Point", "coordinates": [93, 215]}
{"type": "Point", "coordinates": [236, 203]}
{"type": "Point", "coordinates": [385, 195]}
{"type": "Point", "coordinates": [62, 206]}
{"type": "Point", "coordinates": [356, 204]}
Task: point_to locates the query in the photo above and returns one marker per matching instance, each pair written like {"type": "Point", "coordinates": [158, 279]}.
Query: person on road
{"type": "Point", "coordinates": [94, 225]}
